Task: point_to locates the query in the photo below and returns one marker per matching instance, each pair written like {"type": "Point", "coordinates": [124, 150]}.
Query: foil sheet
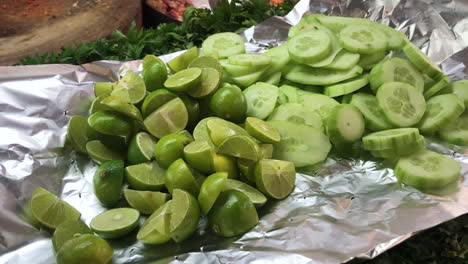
{"type": "Point", "coordinates": [340, 210]}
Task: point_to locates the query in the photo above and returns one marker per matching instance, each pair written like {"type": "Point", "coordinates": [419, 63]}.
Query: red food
{"type": "Point", "coordinates": [172, 8]}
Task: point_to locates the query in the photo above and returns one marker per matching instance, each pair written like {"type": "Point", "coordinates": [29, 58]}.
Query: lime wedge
{"type": "Point", "coordinates": [170, 148]}
{"type": "Point", "coordinates": [261, 130]}
{"type": "Point", "coordinates": [155, 230]}
{"type": "Point", "coordinates": [68, 230]}
{"type": "Point", "coordinates": [147, 176]}
{"type": "Point", "coordinates": [115, 223]}
{"type": "Point", "coordinates": [118, 105]}
{"type": "Point", "coordinates": [154, 72]}
{"type": "Point", "coordinates": [49, 210]}
{"type": "Point", "coordinates": [220, 129]}
{"type": "Point", "coordinates": [115, 143]}
{"type": "Point", "coordinates": [108, 181]}
{"type": "Point", "coordinates": [145, 202]}
{"type": "Point", "coordinates": [257, 198]}
{"type": "Point", "coordinates": [243, 147]}
{"type": "Point", "coordinates": [179, 176]}
{"type": "Point", "coordinates": [110, 123]}
{"type": "Point", "coordinates": [207, 62]}
{"type": "Point", "coordinates": [85, 249]}
{"type": "Point", "coordinates": [169, 118]}
{"type": "Point", "coordinates": [200, 132]}
{"type": "Point", "coordinates": [182, 61]}
{"type": "Point", "coordinates": [130, 88]}
{"type": "Point", "coordinates": [100, 153]}
{"type": "Point", "coordinates": [275, 178]}
{"type": "Point", "coordinates": [185, 213]}
{"type": "Point", "coordinates": [103, 88]}
{"type": "Point", "coordinates": [156, 99]}
{"type": "Point", "coordinates": [141, 148]}
{"type": "Point", "coordinates": [266, 150]}
{"type": "Point", "coordinates": [210, 189]}
{"type": "Point", "coordinates": [209, 82]}
{"type": "Point", "coordinates": [224, 163]}
{"type": "Point", "coordinates": [96, 105]}
{"type": "Point", "coordinates": [199, 155]}
{"type": "Point", "coordinates": [187, 134]}
{"type": "Point", "coordinates": [184, 80]}
{"type": "Point", "coordinates": [77, 132]}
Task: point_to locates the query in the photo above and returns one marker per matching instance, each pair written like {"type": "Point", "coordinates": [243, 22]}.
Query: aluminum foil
{"type": "Point", "coordinates": [339, 210]}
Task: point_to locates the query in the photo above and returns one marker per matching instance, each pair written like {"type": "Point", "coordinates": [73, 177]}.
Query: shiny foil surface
{"type": "Point", "coordinates": [341, 209]}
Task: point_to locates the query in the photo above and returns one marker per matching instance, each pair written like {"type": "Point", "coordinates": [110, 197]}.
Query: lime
{"type": "Point", "coordinates": [266, 150]}
{"type": "Point", "coordinates": [169, 118]}
{"type": "Point", "coordinates": [182, 61]}
{"type": "Point", "coordinates": [220, 129]}
{"type": "Point", "coordinates": [232, 214]}
{"type": "Point", "coordinates": [156, 99]}
{"type": "Point", "coordinates": [200, 132]}
{"type": "Point", "coordinates": [154, 72]}
{"type": "Point", "coordinates": [110, 123]}
{"type": "Point", "coordinates": [108, 181]}
{"type": "Point", "coordinates": [115, 143]}
{"type": "Point", "coordinates": [155, 230]}
{"type": "Point", "coordinates": [186, 133]}
{"type": "Point", "coordinates": [257, 198]}
{"type": "Point", "coordinates": [247, 168]}
{"type": "Point", "coordinates": [68, 230]}
{"type": "Point", "coordinates": [223, 163]}
{"type": "Point", "coordinates": [77, 132]}
{"type": "Point", "coordinates": [96, 105]}
{"type": "Point", "coordinates": [199, 155]}
{"type": "Point", "coordinates": [193, 109]}
{"type": "Point", "coordinates": [207, 62]}
{"type": "Point", "coordinates": [185, 213]}
{"type": "Point", "coordinates": [184, 80]}
{"type": "Point", "coordinates": [49, 210]}
{"type": "Point", "coordinates": [179, 176]}
{"type": "Point", "coordinates": [209, 82]}
{"type": "Point", "coordinates": [120, 106]}
{"type": "Point", "coordinates": [210, 189]}
{"type": "Point", "coordinates": [170, 148]}
{"type": "Point", "coordinates": [147, 176]}
{"type": "Point", "coordinates": [103, 88]}
{"type": "Point", "coordinates": [261, 130]}
{"type": "Point", "coordinates": [240, 146]}
{"type": "Point", "coordinates": [141, 148]}
{"type": "Point", "coordinates": [130, 88]}
{"type": "Point", "coordinates": [145, 202]}
{"type": "Point", "coordinates": [85, 249]}
{"type": "Point", "coordinates": [275, 178]}
{"type": "Point", "coordinates": [229, 103]}
{"type": "Point", "coordinates": [100, 153]}
{"type": "Point", "coordinates": [115, 223]}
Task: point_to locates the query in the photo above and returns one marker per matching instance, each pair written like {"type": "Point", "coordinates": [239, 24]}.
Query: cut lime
{"type": "Point", "coordinates": [261, 130]}
{"type": "Point", "coordinates": [100, 153]}
{"type": "Point", "coordinates": [193, 109]}
{"type": "Point", "coordinates": [145, 202]}
{"type": "Point", "coordinates": [115, 223]}
{"type": "Point", "coordinates": [170, 148]}
{"type": "Point", "coordinates": [229, 103]}
{"type": "Point", "coordinates": [130, 88]}
{"type": "Point", "coordinates": [110, 123]}
{"type": "Point", "coordinates": [85, 249]}
{"type": "Point", "coordinates": [179, 176]}
{"type": "Point", "coordinates": [210, 189]}
{"type": "Point", "coordinates": [240, 146]}
{"type": "Point", "coordinates": [186, 133]}
{"type": "Point", "coordinates": [154, 72]}
{"type": "Point", "coordinates": [200, 132]}
{"type": "Point", "coordinates": [209, 82]}
{"type": "Point", "coordinates": [118, 105]}
{"type": "Point", "coordinates": [207, 62]}
{"type": "Point", "coordinates": [155, 230]}
{"type": "Point", "coordinates": [77, 132]}
{"type": "Point", "coordinates": [156, 99]}
{"type": "Point", "coordinates": [49, 210]}
{"type": "Point", "coordinates": [147, 176]}
{"type": "Point", "coordinates": [275, 178]}
{"type": "Point", "coordinates": [182, 61]}
{"type": "Point", "coordinates": [169, 118]}
{"type": "Point", "coordinates": [115, 143]}
{"type": "Point", "coordinates": [185, 213]}
{"type": "Point", "coordinates": [224, 163]}
{"type": "Point", "coordinates": [103, 88]}
{"type": "Point", "coordinates": [68, 230]}
{"type": "Point", "coordinates": [247, 168]}
{"type": "Point", "coordinates": [220, 129]}
{"type": "Point", "coordinates": [199, 155]}
{"type": "Point", "coordinates": [266, 150]}
{"type": "Point", "coordinates": [141, 148]}
{"type": "Point", "coordinates": [257, 198]}
{"type": "Point", "coordinates": [108, 181]}
{"type": "Point", "coordinates": [184, 80]}
{"type": "Point", "coordinates": [96, 105]}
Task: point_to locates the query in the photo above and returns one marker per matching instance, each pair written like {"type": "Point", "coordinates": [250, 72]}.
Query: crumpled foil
{"type": "Point", "coordinates": [339, 210]}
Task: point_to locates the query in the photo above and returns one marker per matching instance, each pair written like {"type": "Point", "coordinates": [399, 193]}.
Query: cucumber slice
{"type": "Point", "coordinates": [249, 60]}
{"type": "Point", "coordinates": [279, 58]}
{"type": "Point", "coordinates": [346, 87]}
{"type": "Point", "coordinates": [297, 113]}
{"type": "Point", "coordinates": [306, 23]}
{"type": "Point", "coordinates": [363, 39]}
{"type": "Point", "coordinates": [373, 115]}
{"type": "Point", "coordinates": [401, 103]}
{"type": "Point", "coordinates": [320, 103]}
{"type": "Point", "coordinates": [287, 94]}
{"type": "Point", "coordinates": [426, 170]}
{"type": "Point", "coordinates": [460, 89]}
{"type": "Point", "coordinates": [428, 82]}
{"type": "Point", "coordinates": [396, 70]}
{"type": "Point", "coordinates": [237, 70]}
{"type": "Point", "coordinates": [345, 124]}
{"type": "Point", "coordinates": [223, 45]}
{"type": "Point", "coordinates": [456, 132]}
{"type": "Point", "coordinates": [309, 46]}
{"type": "Point", "coordinates": [320, 76]}
{"type": "Point", "coordinates": [301, 144]}
{"type": "Point", "coordinates": [261, 99]}
{"type": "Point", "coordinates": [249, 79]}
{"type": "Point", "coordinates": [421, 61]}
{"type": "Point", "coordinates": [272, 79]}
{"type": "Point", "coordinates": [368, 61]}
{"type": "Point", "coordinates": [305, 87]}
{"type": "Point", "coordinates": [346, 99]}
{"type": "Point", "coordinates": [407, 149]}
{"type": "Point", "coordinates": [441, 84]}
{"type": "Point", "coordinates": [344, 60]}
{"type": "Point", "coordinates": [391, 139]}
{"type": "Point", "coordinates": [335, 49]}
{"type": "Point", "coordinates": [440, 110]}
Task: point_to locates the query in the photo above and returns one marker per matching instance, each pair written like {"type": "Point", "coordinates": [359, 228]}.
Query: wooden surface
{"type": "Point", "coordinates": [39, 26]}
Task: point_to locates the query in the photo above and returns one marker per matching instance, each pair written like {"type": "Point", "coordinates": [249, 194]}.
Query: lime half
{"type": "Point", "coordinates": [207, 62]}
{"type": "Point", "coordinates": [68, 230]}
{"type": "Point", "coordinates": [200, 132]}
{"type": "Point", "coordinates": [85, 249]}
{"type": "Point", "coordinates": [261, 130]}
{"type": "Point", "coordinates": [77, 132]}
{"type": "Point", "coordinates": [199, 155]}
{"type": "Point", "coordinates": [110, 123]}
{"type": "Point", "coordinates": [130, 88]}
{"type": "Point", "coordinates": [145, 202]}
{"type": "Point", "coordinates": [115, 223]}
{"type": "Point", "coordinates": [141, 148]}
{"type": "Point", "coordinates": [243, 147]}
{"type": "Point", "coordinates": [108, 181]}
{"type": "Point", "coordinates": [103, 88]}
{"type": "Point", "coordinates": [257, 198]}
{"type": "Point", "coordinates": [210, 189]}
{"type": "Point", "coordinates": [209, 82]}
{"type": "Point", "coordinates": [220, 130]}
{"type": "Point", "coordinates": [118, 105]}
{"type": "Point", "coordinates": [169, 118]}
{"type": "Point", "coordinates": [100, 153]}
{"type": "Point", "coordinates": [179, 176]}
{"type": "Point", "coordinates": [185, 213]}
{"type": "Point", "coordinates": [156, 99]}
{"type": "Point", "coordinates": [184, 80]}
{"type": "Point", "coordinates": [182, 61]}
{"type": "Point", "coordinates": [275, 178]}
{"type": "Point", "coordinates": [147, 176]}
{"type": "Point", "coordinates": [154, 72]}
{"type": "Point", "coordinates": [155, 230]}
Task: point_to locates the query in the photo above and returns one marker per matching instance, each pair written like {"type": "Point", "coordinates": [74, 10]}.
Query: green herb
{"type": "Point", "coordinates": [198, 24]}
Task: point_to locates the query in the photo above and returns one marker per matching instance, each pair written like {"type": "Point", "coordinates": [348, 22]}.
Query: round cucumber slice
{"type": "Point", "coordinates": [390, 139]}
{"type": "Point", "coordinates": [400, 150]}
{"type": "Point", "coordinates": [363, 39]}
{"type": "Point", "coordinates": [249, 60]}
{"type": "Point", "coordinates": [346, 87]}
{"type": "Point", "coordinates": [396, 70]}
{"type": "Point", "coordinates": [456, 132]}
{"type": "Point", "coordinates": [240, 70]}
{"type": "Point", "coordinates": [368, 61]}
{"type": "Point", "coordinates": [297, 113]}
{"type": "Point", "coordinates": [261, 99]}
{"type": "Point", "coordinates": [309, 46]}
{"type": "Point", "coordinates": [223, 45]}
{"type": "Point", "coordinates": [344, 60]}
{"type": "Point", "coordinates": [279, 58]}
{"type": "Point", "coordinates": [440, 110]}
{"type": "Point", "coordinates": [401, 103]}
{"type": "Point", "coordinates": [335, 48]}
{"type": "Point", "coordinates": [320, 103]}
{"type": "Point", "coordinates": [421, 60]}
{"type": "Point", "coordinates": [373, 115]}
{"type": "Point", "coordinates": [319, 76]}
{"type": "Point", "coordinates": [345, 124]}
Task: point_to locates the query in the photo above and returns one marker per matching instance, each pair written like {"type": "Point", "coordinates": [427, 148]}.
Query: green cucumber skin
{"type": "Point", "coordinates": [334, 131]}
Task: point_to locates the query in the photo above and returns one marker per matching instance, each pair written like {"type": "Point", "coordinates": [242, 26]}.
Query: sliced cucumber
{"type": "Point", "coordinates": [373, 115]}
{"type": "Point", "coordinates": [441, 84]}
{"type": "Point", "coordinates": [421, 61]}
{"type": "Point", "coordinates": [223, 45]}
{"type": "Point", "coordinates": [428, 82]}
{"type": "Point", "coordinates": [363, 39]}
{"type": "Point", "coordinates": [247, 80]}
{"type": "Point", "coordinates": [427, 170]}
{"type": "Point", "coordinates": [320, 103]}
{"type": "Point", "coordinates": [249, 60]}
{"type": "Point", "coordinates": [396, 70]}
{"type": "Point", "coordinates": [279, 56]}
{"type": "Point", "coordinates": [304, 24]}
{"type": "Point", "coordinates": [345, 124]}
{"type": "Point", "coordinates": [320, 76]}
{"type": "Point", "coordinates": [391, 139]}
{"type": "Point", "coordinates": [272, 79]}
{"type": "Point", "coordinates": [305, 87]}
{"type": "Point", "coordinates": [297, 113]}
{"type": "Point", "coordinates": [460, 88]}
{"type": "Point", "coordinates": [335, 49]}
{"type": "Point", "coordinates": [407, 149]}
{"type": "Point", "coordinates": [456, 132]}
{"type": "Point", "coordinates": [237, 70]}
{"type": "Point", "coordinates": [440, 110]}
{"type": "Point", "coordinates": [344, 60]}
{"type": "Point", "coordinates": [310, 46]}
{"type": "Point", "coordinates": [301, 144]}
{"type": "Point", "coordinates": [346, 87]}
{"type": "Point", "coordinates": [368, 61]}
{"type": "Point", "coordinates": [401, 103]}
{"type": "Point", "coordinates": [287, 94]}
{"type": "Point", "coordinates": [261, 99]}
